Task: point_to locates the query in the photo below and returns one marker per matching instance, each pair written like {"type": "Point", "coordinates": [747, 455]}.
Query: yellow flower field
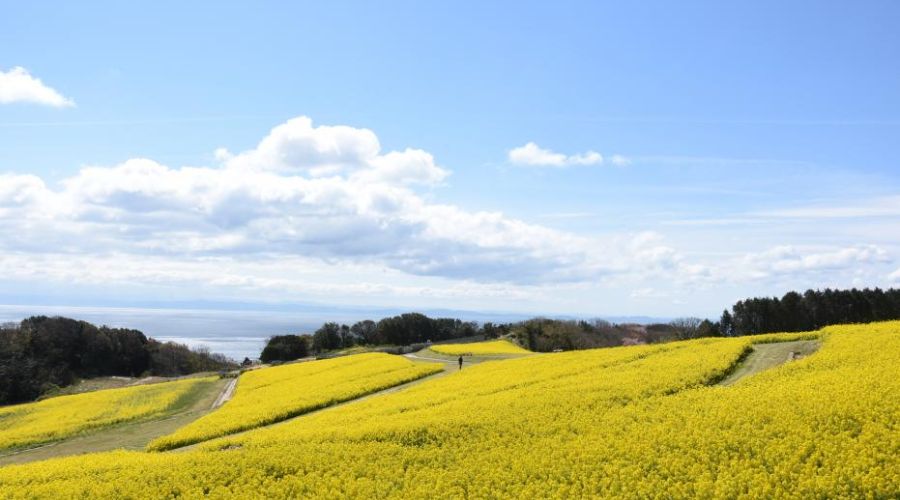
{"type": "Point", "coordinates": [629, 422]}
{"type": "Point", "coordinates": [65, 416]}
{"type": "Point", "coordinates": [479, 348]}
{"type": "Point", "coordinates": [273, 394]}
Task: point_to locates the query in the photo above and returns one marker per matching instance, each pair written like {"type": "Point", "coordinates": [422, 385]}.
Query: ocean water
{"type": "Point", "coordinates": [234, 333]}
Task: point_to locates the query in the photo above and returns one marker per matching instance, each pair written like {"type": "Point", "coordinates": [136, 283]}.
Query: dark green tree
{"type": "Point", "coordinates": [327, 337]}
{"type": "Point", "coordinates": [284, 348]}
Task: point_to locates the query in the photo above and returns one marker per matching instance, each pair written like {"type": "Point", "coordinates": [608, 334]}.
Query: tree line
{"type": "Point", "coordinates": [546, 335]}
{"type": "Point", "coordinates": [811, 310]}
{"type": "Point", "coordinates": [43, 353]}
{"type": "Point", "coordinates": [401, 330]}
{"type": "Point", "coordinates": [538, 334]}
{"type": "Point", "coordinates": [793, 312]}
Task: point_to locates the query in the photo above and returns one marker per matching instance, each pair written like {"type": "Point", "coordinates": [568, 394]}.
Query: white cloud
{"type": "Point", "coordinates": [322, 192]}
{"type": "Point", "coordinates": [222, 154]}
{"type": "Point", "coordinates": [533, 155]}
{"type": "Point", "coordinates": [894, 277]}
{"type": "Point", "coordinates": [323, 211]}
{"type": "Point", "coordinates": [792, 261]}
{"type": "Point", "coordinates": [300, 148]}
{"type": "Point", "coordinates": [18, 190]}
{"type": "Point", "coordinates": [17, 85]}
{"type": "Point", "coordinates": [263, 278]}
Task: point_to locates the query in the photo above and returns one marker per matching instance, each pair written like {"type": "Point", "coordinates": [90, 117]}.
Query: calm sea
{"type": "Point", "coordinates": [235, 334]}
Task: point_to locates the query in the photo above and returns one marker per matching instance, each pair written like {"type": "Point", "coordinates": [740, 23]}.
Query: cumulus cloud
{"type": "Point", "coordinates": [300, 148]}
{"type": "Point", "coordinates": [322, 192]}
{"type": "Point", "coordinates": [324, 210]}
{"type": "Point", "coordinates": [20, 190]}
{"type": "Point", "coordinates": [18, 85]}
{"type": "Point", "coordinates": [533, 155]}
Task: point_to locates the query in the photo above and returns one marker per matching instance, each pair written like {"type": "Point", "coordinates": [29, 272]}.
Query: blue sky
{"type": "Point", "coordinates": [746, 149]}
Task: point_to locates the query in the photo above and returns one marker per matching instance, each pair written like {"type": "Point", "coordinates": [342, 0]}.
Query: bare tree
{"type": "Point", "coordinates": [686, 328]}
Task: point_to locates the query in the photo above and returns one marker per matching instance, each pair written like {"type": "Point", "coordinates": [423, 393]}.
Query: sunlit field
{"type": "Point", "coordinates": [629, 422]}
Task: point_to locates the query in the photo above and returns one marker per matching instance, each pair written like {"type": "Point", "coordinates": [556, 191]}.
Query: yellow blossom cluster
{"type": "Point", "coordinates": [479, 348]}
{"type": "Point", "coordinates": [629, 422]}
{"type": "Point", "coordinates": [65, 416]}
{"type": "Point", "coordinates": [269, 395]}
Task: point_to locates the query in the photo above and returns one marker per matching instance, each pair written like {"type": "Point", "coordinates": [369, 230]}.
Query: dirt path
{"type": "Point", "coordinates": [128, 435]}
{"type": "Point", "coordinates": [413, 356]}
{"type": "Point", "coordinates": [447, 359]}
{"type": "Point", "coordinates": [225, 395]}
{"type": "Point", "coordinates": [765, 356]}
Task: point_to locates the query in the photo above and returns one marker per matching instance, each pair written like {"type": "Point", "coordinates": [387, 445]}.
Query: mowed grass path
{"type": "Point", "coordinates": [770, 355]}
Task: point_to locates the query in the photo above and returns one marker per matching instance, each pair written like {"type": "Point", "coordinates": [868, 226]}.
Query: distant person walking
{"type": "Point", "coordinates": [460, 362]}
